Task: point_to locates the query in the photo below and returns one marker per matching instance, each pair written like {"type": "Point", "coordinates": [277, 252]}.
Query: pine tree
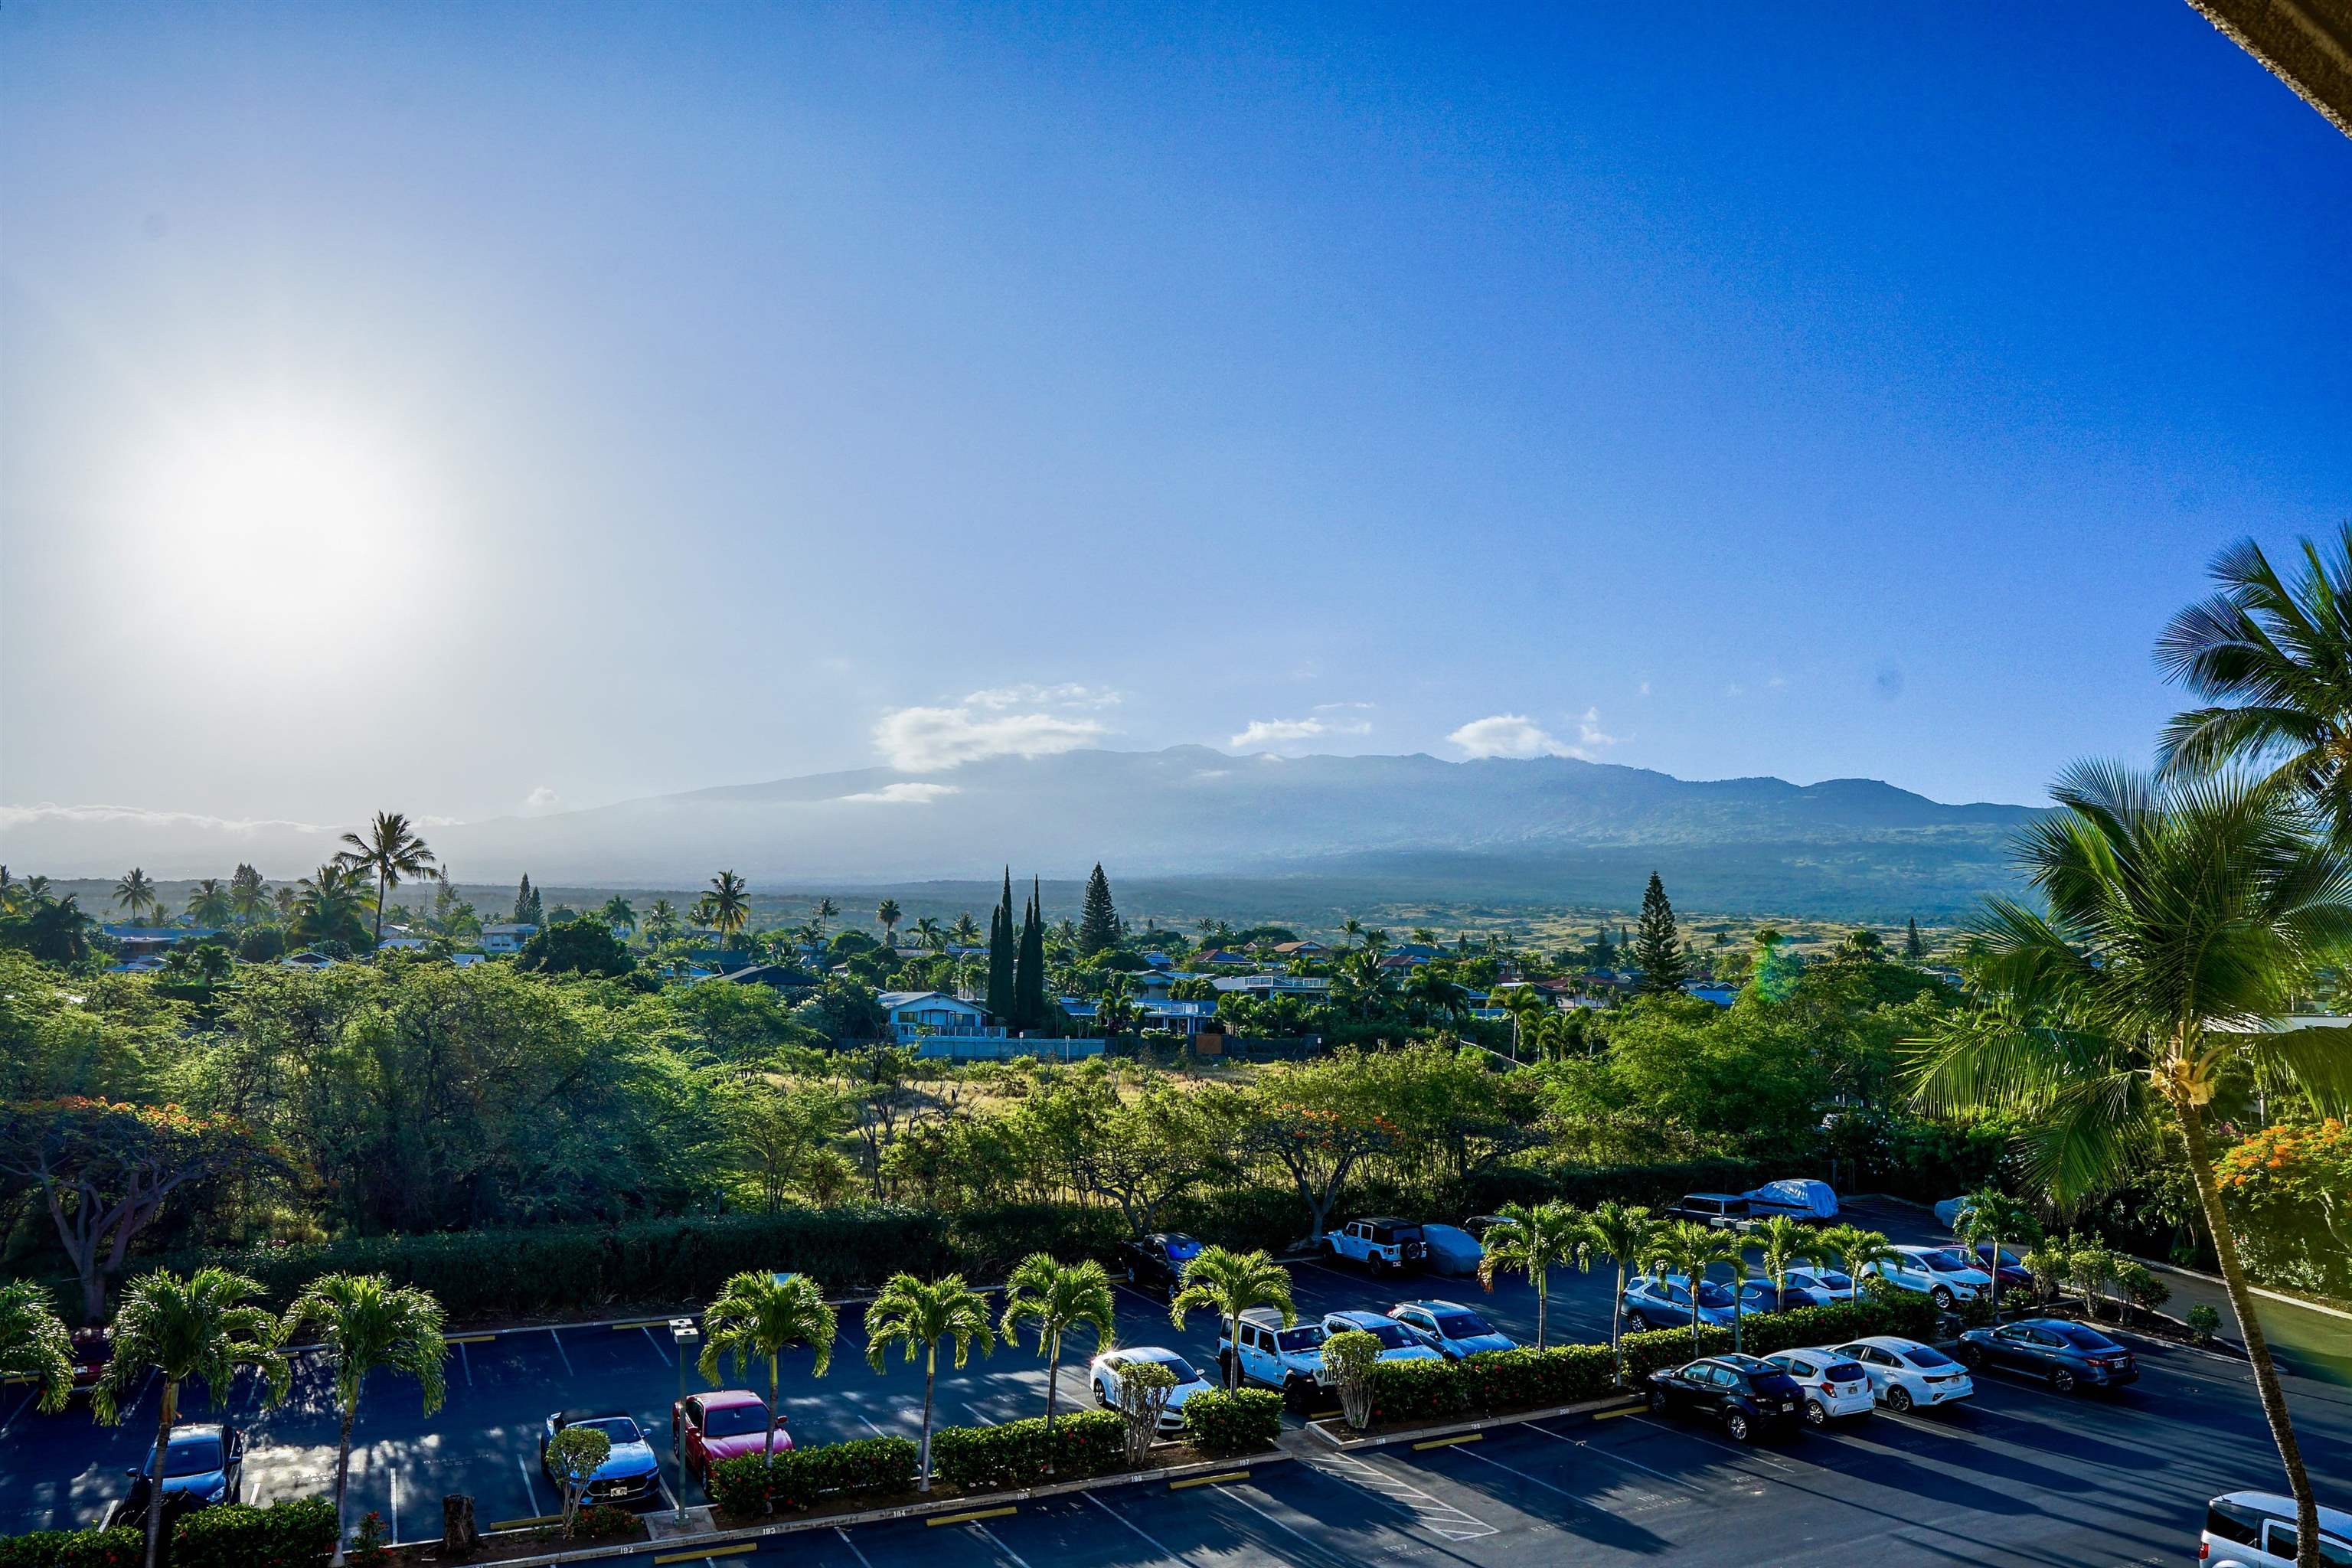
{"type": "Point", "coordinates": [1001, 1001]}
{"type": "Point", "coordinates": [1657, 951]}
{"type": "Point", "coordinates": [525, 900]}
{"type": "Point", "coordinates": [1029, 965]}
{"type": "Point", "coordinates": [1099, 919]}
{"type": "Point", "coordinates": [1912, 948]}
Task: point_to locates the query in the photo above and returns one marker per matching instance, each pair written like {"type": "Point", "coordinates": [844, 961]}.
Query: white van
{"type": "Point", "coordinates": [2256, 1530]}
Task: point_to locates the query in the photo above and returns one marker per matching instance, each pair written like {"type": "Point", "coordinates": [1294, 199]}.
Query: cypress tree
{"type": "Point", "coordinates": [1098, 919]}
{"type": "Point", "coordinates": [1029, 970]}
{"type": "Point", "coordinates": [1001, 1001]}
{"type": "Point", "coordinates": [523, 898]}
{"type": "Point", "coordinates": [1912, 948]}
{"type": "Point", "coordinates": [1657, 951]}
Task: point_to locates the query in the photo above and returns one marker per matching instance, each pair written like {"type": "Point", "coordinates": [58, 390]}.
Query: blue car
{"type": "Point", "coordinates": [1451, 1329]}
{"type": "Point", "coordinates": [1762, 1296]}
{"type": "Point", "coordinates": [203, 1464]}
{"type": "Point", "coordinates": [630, 1473]}
{"type": "Point", "coordinates": [2066, 1353]}
{"type": "Point", "coordinates": [1665, 1302]}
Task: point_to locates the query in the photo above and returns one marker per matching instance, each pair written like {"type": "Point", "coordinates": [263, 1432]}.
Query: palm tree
{"type": "Point", "coordinates": [1351, 927]}
{"type": "Point", "coordinates": [825, 911]}
{"type": "Point", "coordinates": [57, 931]}
{"type": "Point", "coordinates": [1855, 1249]}
{"type": "Point", "coordinates": [908, 1311]}
{"type": "Point", "coordinates": [931, 934]}
{"type": "Point", "coordinates": [35, 1345]}
{"type": "Point", "coordinates": [760, 1316]}
{"type": "Point", "coordinates": [209, 904]}
{"type": "Point", "coordinates": [1529, 1240]}
{"type": "Point", "coordinates": [1784, 1242]}
{"type": "Point", "coordinates": [888, 915]}
{"type": "Point", "coordinates": [1229, 1284]}
{"type": "Point", "coordinates": [2273, 660]}
{"type": "Point", "coordinates": [1526, 1005]}
{"type": "Point", "coordinates": [135, 893]}
{"type": "Point", "coordinates": [246, 897]}
{"type": "Point", "coordinates": [195, 1328]}
{"type": "Point", "coordinates": [966, 930]}
{"type": "Point", "coordinates": [366, 1322]}
{"type": "Point", "coordinates": [1116, 1008]}
{"type": "Point", "coordinates": [391, 849]}
{"type": "Point", "coordinates": [1990, 1216]}
{"type": "Point", "coordinates": [1622, 1234]}
{"type": "Point", "coordinates": [725, 909]}
{"type": "Point", "coordinates": [328, 906]}
{"type": "Point", "coordinates": [1434, 995]}
{"type": "Point", "coordinates": [661, 920]}
{"type": "Point", "coordinates": [1690, 1249]}
{"type": "Point", "coordinates": [1060, 1297]}
{"type": "Point", "coordinates": [620, 915]}
{"type": "Point", "coordinates": [2176, 910]}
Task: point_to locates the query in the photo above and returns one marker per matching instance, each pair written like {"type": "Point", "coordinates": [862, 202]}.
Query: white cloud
{"type": "Point", "coordinates": [541, 799]}
{"type": "Point", "coordinates": [927, 739]}
{"type": "Point", "coordinates": [1507, 735]}
{"type": "Point", "coordinates": [1589, 732]}
{"type": "Point", "coordinates": [16, 816]}
{"type": "Point", "coordinates": [1263, 734]}
{"type": "Point", "coordinates": [901, 794]}
{"type": "Point", "coordinates": [1069, 694]}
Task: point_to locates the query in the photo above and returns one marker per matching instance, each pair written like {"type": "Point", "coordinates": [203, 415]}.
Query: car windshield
{"type": "Point", "coordinates": [1392, 1336]}
{"type": "Point", "coordinates": [193, 1456]}
{"type": "Point", "coordinates": [734, 1420]}
{"type": "Point", "coordinates": [1460, 1325]}
{"type": "Point", "coordinates": [1305, 1337]}
{"type": "Point", "coordinates": [1922, 1355]}
{"type": "Point", "coordinates": [1711, 1294]}
{"type": "Point", "coordinates": [619, 1429]}
{"type": "Point", "coordinates": [2085, 1339]}
{"type": "Point", "coordinates": [1946, 1258]}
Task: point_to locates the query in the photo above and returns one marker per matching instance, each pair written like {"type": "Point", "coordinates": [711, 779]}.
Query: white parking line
{"type": "Point", "coordinates": [989, 1536]}
{"type": "Point", "coordinates": [530, 1490]}
{"type": "Point", "coordinates": [1165, 1550]}
{"type": "Point", "coordinates": [854, 1551]}
{"type": "Point", "coordinates": [869, 1426]}
{"type": "Point", "coordinates": [466, 1362]}
{"type": "Point", "coordinates": [561, 1352]}
{"type": "Point", "coordinates": [659, 1354]}
{"type": "Point", "coordinates": [1441, 1518]}
{"type": "Point", "coordinates": [978, 1416]}
{"type": "Point", "coordinates": [395, 1503]}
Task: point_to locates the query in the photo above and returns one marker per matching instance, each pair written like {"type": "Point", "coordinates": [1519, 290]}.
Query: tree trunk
{"type": "Point", "coordinates": [2258, 1350]}
{"type": "Point", "coordinates": [343, 1478]}
{"type": "Point", "coordinates": [1053, 1388]}
{"type": "Point", "coordinates": [1233, 1367]}
{"type": "Point", "coordinates": [1616, 1325]}
{"type": "Point", "coordinates": [165, 1414]}
{"type": "Point", "coordinates": [459, 1535]}
{"type": "Point", "coordinates": [379, 907]}
{"type": "Point", "coordinates": [1543, 1304]}
{"type": "Point", "coordinates": [768, 1445]}
{"type": "Point", "coordinates": [923, 1467]}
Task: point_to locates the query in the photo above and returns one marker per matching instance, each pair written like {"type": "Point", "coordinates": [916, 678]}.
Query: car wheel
{"type": "Point", "coordinates": [1102, 1396]}
{"type": "Point", "coordinates": [1971, 1356]}
{"type": "Point", "coordinates": [1657, 1402]}
{"type": "Point", "coordinates": [1734, 1426]}
{"type": "Point", "coordinates": [1898, 1399]}
{"type": "Point", "coordinates": [1942, 1296]}
{"type": "Point", "coordinates": [1642, 1324]}
{"type": "Point", "coordinates": [1816, 1413]}
{"type": "Point", "coordinates": [2063, 1380]}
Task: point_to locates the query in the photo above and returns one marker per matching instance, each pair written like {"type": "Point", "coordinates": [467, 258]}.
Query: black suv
{"type": "Point", "coordinates": [1157, 1261]}
{"type": "Point", "coordinates": [1739, 1391]}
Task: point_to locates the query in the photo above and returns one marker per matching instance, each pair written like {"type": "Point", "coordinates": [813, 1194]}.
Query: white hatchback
{"type": "Point", "coordinates": [1836, 1386]}
{"type": "Point", "coordinates": [1903, 1372]}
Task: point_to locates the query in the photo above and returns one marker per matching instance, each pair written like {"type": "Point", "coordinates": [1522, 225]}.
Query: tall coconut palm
{"type": "Point", "coordinates": [930, 933]}
{"type": "Point", "coordinates": [1532, 1239]}
{"type": "Point", "coordinates": [888, 915]}
{"type": "Point", "coordinates": [1782, 1242]}
{"type": "Point", "coordinates": [35, 1345]}
{"type": "Point", "coordinates": [1059, 1298]}
{"type": "Point", "coordinates": [391, 849]}
{"type": "Point", "coordinates": [759, 1317]}
{"type": "Point", "coordinates": [2272, 658]}
{"type": "Point", "coordinates": [966, 930]}
{"type": "Point", "coordinates": [1990, 1217]}
{"type": "Point", "coordinates": [209, 904]}
{"type": "Point", "coordinates": [247, 894]}
{"type": "Point", "coordinates": [1229, 1284]}
{"type": "Point", "coordinates": [726, 908]}
{"type": "Point", "coordinates": [620, 915]}
{"type": "Point", "coordinates": [1115, 1009]}
{"type": "Point", "coordinates": [1622, 1232]}
{"type": "Point", "coordinates": [198, 1329]}
{"type": "Point", "coordinates": [1854, 1249]}
{"type": "Point", "coordinates": [2178, 913]}
{"type": "Point", "coordinates": [661, 920]}
{"type": "Point", "coordinates": [136, 892]}
{"type": "Point", "coordinates": [330, 905]}
{"type": "Point", "coordinates": [825, 911]}
{"type": "Point", "coordinates": [906, 1312]}
{"type": "Point", "coordinates": [367, 1323]}
{"type": "Point", "coordinates": [1690, 1249]}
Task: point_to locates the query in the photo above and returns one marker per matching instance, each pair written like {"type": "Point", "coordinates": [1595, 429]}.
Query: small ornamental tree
{"type": "Point", "coordinates": [1143, 1390]}
{"type": "Point", "coordinates": [574, 1456]}
{"type": "Point", "coordinates": [1349, 1357]}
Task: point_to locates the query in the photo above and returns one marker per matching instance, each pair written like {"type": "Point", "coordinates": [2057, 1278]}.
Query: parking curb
{"type": "Point", "coordinates": [1455, 1431]}
{"type": "Point", "coordinates": [991, 1501]}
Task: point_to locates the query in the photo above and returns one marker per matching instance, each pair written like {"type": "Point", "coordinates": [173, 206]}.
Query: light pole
{"type": "Point", "coordinates": [683, 1332]}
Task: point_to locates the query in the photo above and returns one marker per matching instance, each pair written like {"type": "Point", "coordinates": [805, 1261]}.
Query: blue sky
{"type": "Point", "coordinates": [489, 408]}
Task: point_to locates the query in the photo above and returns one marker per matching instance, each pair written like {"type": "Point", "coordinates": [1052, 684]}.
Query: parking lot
{"type": "Point", "coordinates": [2020, 1475]}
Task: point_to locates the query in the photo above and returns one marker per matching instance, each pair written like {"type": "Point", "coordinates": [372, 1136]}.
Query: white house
{"type": "Point", "coordinates": [918, 1015]}
{"type": "Point", "coordinates": [507, 938]}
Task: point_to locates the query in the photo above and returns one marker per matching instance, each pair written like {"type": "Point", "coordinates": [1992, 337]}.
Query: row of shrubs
{"type": "Point", "coordinates": [1494, 1381]}
{"type": "Point", "coordinates": [299, 1534]}
{"type": "Point", "coordinates": [982, 1458]}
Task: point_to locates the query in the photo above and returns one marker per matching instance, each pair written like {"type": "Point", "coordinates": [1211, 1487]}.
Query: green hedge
{"type": "Point", "coordinates": [1244, 1421]}
{"type": "Point", "coordinates": [125, 1548]}
{"type": "Point", "coordinates": [1531, 1379]}
{"type": "Point", "coordinates": [798, 1476]}
{"type": "Point", "coordinates": [993, 1459]}
{"type": "Point", "coordinates": [296, 1534]}
{"type": "Point", "coordinates": [1419, 1390]}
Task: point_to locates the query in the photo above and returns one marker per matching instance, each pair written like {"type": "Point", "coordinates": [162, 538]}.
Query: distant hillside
{"type": "Point", "coordinates": [1551, 829]}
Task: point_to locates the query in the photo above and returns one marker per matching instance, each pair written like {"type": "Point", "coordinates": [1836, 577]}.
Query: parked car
{"type": "Point", "coordinates": [1800, 1198]}
{"type": "Point", "coordinates": [1760, 1295]}
{"type": "Point", "coordinates": [725, 1424]}
{"type": "Point", "coordinates": [1157, 1261]}
{"type": "Point", "coordinates": [1103, 1374]}
{"type": "Point", "coordinates": [93, 1351]}
{"type": "Point", "coordinates": [629, 1474]}
{"type": "Point", "coordinates": [2004, 1265]}
{"type": "Point", "coordinates": [1834, 1386]}
{"type": "Point", "coordinates": [1451, 1250]}
{"type": "Point", "coordinates": [203, 1464]}
{"type": "Point", "coordinates": [1665, 1302]}
{"type": "Point", "coordinates": [2068, 1354]}
{"type": "Point", "coordinates": [1397, 1341]}
{"type": "Point", "coordinates": [1903, 1372]}
{"type": "Point", "coordinates": [1451, 1329]}
{"type": "Point", "coordinates": [2256, 1530]}
{"type": "Point", "coordinates": [1288, 1359]}
{"type": "Point", "coordinates": [1742, 1392]}
{"type": "Point", "coordinates": [1383, 1244]}
{"type": "Point", "coordinates": [1944, 1274]}
{"type": "Point", "coordinates": [1722, 1211]}
{"type": "Point", "coordinates": [1819, 1281]}
{"type": "Point", "coordinates": [1478, 1225]}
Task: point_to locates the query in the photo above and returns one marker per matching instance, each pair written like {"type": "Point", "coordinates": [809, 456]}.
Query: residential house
{"type": "Point", "coordinates": [306, 959]}
{"type": "Point", "coordinates": [506, 937]}
{"type": "Point", "coordinates": [1299, 949]}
